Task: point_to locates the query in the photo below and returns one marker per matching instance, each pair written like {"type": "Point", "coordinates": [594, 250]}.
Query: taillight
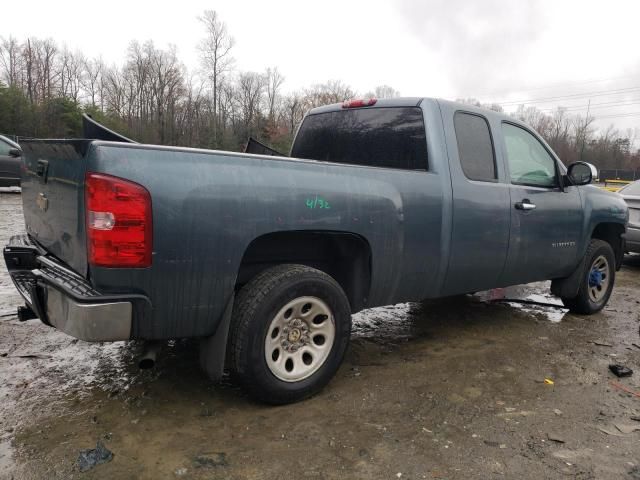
{"type": "Point", "coordinates": [119, 229]}
{"type": "Point", "coordinates": [368, 102]}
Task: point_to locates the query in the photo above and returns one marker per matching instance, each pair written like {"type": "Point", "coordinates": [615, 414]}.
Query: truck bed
{"type": "Point", "coordinates": [208, 206]}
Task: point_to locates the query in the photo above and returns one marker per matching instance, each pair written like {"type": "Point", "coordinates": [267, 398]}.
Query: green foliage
{"type": "Point", "coordinates": [60, 118]}
{"type": "Point", "coordinates": [16, 113]}
{"type": "Point", "coordinates": [55, 117]}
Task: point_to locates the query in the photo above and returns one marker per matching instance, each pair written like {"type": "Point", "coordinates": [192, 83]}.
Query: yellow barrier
{"type": "Point", "coordinates": [614, 185]}
{"type": "Point", "coordinates": [618, 182]}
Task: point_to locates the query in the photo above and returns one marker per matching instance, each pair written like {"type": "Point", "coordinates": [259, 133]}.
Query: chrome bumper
{"type": "Point", "coordinates": [63, 299]}
{"type": "Point", "coordinates": [92, 322]}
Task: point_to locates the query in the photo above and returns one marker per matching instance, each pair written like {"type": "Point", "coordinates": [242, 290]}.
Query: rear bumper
{"type": "Point", "coordinates": [63, 299]}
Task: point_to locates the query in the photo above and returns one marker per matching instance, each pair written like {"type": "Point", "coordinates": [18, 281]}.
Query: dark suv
{"type": "Point", "coordinates": [9, 163]}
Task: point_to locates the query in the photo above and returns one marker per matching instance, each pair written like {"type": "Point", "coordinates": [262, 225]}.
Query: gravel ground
{"type": "Point", "coordinates": [453, 389]}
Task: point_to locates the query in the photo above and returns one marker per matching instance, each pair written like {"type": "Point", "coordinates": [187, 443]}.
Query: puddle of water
{"type": "Point", "coordinates": [399, 321]}
{"type": "Point", "coordinates": [552, 314]}
{"type": "Point", "coordinates": [536, 299]}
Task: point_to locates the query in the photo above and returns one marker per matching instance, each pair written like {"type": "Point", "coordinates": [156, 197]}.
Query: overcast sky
{"type": "Point", "coordinates": [494, 50]}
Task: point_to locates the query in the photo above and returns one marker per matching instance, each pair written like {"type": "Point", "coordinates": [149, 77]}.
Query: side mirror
{"type": "Point", "coordinates": [581, 173]}
{"type": "Point", "coordinates": [15, 152]}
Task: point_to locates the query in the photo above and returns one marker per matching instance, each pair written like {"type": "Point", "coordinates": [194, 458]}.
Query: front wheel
{"type": "Point", "coordinates": [597, 282]}
{"type": "Point", "coordinates": [290, 329]}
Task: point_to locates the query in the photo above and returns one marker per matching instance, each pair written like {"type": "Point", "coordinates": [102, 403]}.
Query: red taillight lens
{"type": "Point", "coordinates": [119, 229]}
{"type": "Point", "coordinates": [368, 102]}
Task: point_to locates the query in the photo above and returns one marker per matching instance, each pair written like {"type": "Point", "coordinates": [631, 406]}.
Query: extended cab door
{"type": "Point", "coordinates": [480, 220]}
{"type": "Point", "coordinates": [546, 220]}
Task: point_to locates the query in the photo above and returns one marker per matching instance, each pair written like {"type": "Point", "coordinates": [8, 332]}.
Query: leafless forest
{"type": "Point", "coordinates": [152, 97]}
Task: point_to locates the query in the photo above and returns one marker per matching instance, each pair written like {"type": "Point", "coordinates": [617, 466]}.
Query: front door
{"type": "Point", "coordinates": [546, 220]}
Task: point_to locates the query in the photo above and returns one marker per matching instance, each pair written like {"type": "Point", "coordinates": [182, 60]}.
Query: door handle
{"type": "Point", "coordinates": [525, 205]}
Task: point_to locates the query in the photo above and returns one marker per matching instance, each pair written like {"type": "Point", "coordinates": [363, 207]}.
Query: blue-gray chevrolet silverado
{"type": "Point", "coordinates": [265, 258]}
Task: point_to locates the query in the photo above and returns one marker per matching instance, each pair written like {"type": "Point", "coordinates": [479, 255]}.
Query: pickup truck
{"type": "Point", "coordinates": [265, 258]}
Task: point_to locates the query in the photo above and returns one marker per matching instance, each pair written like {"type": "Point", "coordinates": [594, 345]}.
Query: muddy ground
{"type": "Point", "coordinates": [453, 389]}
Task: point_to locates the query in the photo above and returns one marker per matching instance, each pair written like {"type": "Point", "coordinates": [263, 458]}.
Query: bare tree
{"type": "Point", "coordinates": [251, 86]}
{"type": "Point", "coordinates": [333, 91]}
{"type": "Point", "coordinates": [582, 131]}
{"type": "Point", "coordinates": [114, 92]}
{"type": "Point", "coordinates": [274, 81]}
{"type": "Point", "coordinates": [92, 81]}
{"type": "Point", "coordinates": [385, 91]}
{"type": "Point", "coordinates": [46, 52]}
{"type": "Point", "coordinates": [10, 60]}
{"type": "Point", "coordinates": [215, 55]}
{"type": "Point", "coordinates": [71, 71]}
{"type": "Point", "coordinates": [293, 110]}
{"type": "Point", "coordinates": [166, 87]}
{"type": "Point", "coordinates": [29, 65]}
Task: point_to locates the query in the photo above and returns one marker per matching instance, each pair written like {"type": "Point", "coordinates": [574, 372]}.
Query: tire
{"type": "Point", "coordinates": [309, 347]}
{"type": "Point", "coordinates": [594, 292]}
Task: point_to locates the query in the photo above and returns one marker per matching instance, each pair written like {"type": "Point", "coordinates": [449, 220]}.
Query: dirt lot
{"type": "Point", "coordinates": [451, 389]}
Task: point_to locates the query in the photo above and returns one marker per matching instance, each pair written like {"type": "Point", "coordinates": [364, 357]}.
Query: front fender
{"type": "Point", "coordinates": [601, 207]}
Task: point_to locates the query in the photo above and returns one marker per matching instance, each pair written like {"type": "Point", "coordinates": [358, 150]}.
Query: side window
{"type": "Point", "coordinates": [529, 161]}
{"type": "Point", "coordinates": [4, 148]}
{"type": "Point", "coordinates": [475, 148]}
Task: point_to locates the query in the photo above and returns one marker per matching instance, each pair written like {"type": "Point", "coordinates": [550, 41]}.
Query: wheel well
{"type": "Point", "coordinates": [344, 256]}
{"type": "Point", "coordinates": [612, 234]}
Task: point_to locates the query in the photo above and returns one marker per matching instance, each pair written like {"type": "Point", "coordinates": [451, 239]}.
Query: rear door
{"type": "Point", "coordinates": [480, 224]}
{"type": "Point", "coordinates": [546, 220]}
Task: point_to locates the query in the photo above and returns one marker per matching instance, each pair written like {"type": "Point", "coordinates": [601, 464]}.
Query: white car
{"type": "Point", "coordinates": [631, 195]}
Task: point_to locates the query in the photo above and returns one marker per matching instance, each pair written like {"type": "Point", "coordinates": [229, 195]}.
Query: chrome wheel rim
{"type": "Point", "coordinates": [598, 279]}
{"type": "Point", "coordinates": [299, 339]}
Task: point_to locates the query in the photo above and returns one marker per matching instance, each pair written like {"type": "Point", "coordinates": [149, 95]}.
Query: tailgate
{"type": "Point", "coordinates": [53, 197]}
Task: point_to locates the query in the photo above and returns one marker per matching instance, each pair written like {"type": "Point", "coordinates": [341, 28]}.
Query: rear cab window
{"type": "Point", "coordinates": [388, 137]}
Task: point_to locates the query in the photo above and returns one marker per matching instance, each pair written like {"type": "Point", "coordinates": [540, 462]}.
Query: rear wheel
{"type": "Point", "coordinates": [597, 282]}
{"type": "Point", "coordinates": [290, 329]}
